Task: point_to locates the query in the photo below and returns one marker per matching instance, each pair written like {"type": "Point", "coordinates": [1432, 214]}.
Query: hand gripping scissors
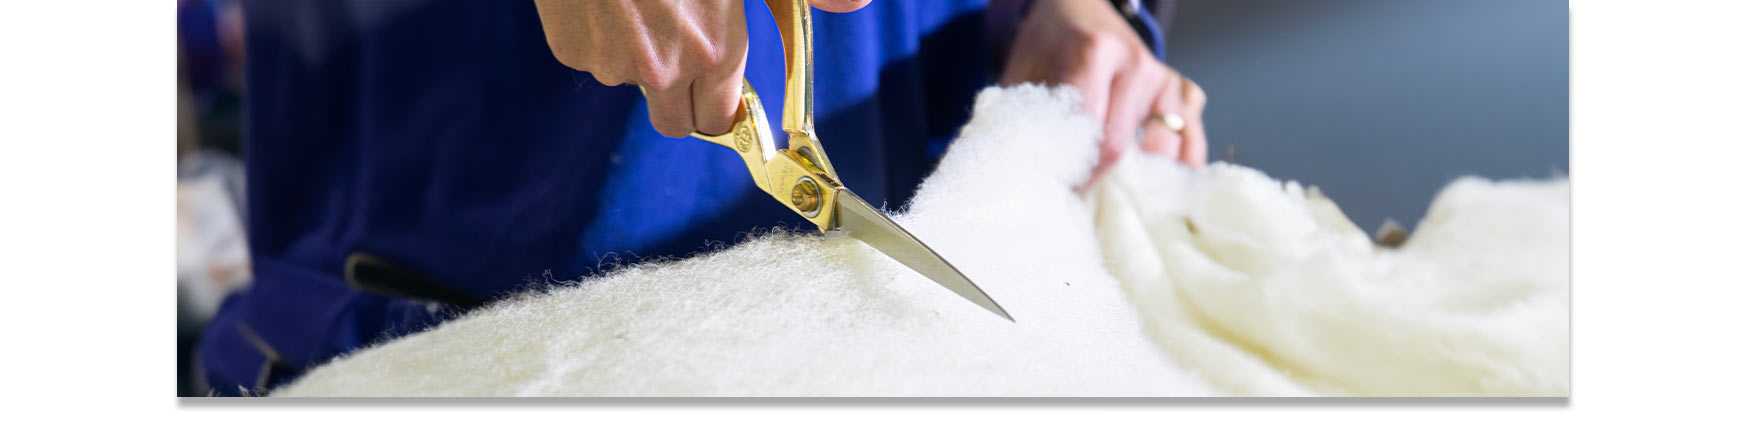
{"type": "Point", "coordinates": [801, 177]}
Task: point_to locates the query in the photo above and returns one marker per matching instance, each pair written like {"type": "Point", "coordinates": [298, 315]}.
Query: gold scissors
{"type": "Point", "coordinates": [801, 177]}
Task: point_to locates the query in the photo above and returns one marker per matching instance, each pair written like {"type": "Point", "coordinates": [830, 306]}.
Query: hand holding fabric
{"type": "Point", "coordinates": [1088, 45]}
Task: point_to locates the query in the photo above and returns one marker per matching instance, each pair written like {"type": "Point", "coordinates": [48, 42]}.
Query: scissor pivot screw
{"type": "Point", "coordinates": [805, 196]}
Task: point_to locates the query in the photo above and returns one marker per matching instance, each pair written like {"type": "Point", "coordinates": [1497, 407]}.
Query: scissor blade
{"type": "Point", "coordinates": [862, 221]}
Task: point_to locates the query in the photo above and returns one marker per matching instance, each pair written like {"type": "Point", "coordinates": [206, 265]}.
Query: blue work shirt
{"type": "Point", "coordinates": [444, 138]}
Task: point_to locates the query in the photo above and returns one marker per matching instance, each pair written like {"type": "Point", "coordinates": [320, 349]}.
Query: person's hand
{"type": "Point", "coordinates": [688, 55]}
{"type": "Point", "coordinates": [1088, 45]}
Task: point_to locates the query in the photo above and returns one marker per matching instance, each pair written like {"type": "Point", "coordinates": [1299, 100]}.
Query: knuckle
{"type": "Point", "coordinates": [567, 58]}
{"type": "Point", "coordinates": [1104, 44]}
{"type": "Point", "coordinates": [605, 79]}
{"type": "Point", "coordinates": [1153, 71]}
{"type": "Point", "coordinates": [1082, 81]}
{"type": "Point", "coordinates": [1142, 55]}
{"type": "Point", "coordinates": [1084, 37]}
{"type": "Point", "coordinates": [715, 127]}
{"type": "Point", "coordinates": [1111, 150]}
{"type": "Point", "coordinates": [712, 56]}
{"type": "Point", "coordinates": [562, 48]}
{"type": "Point", "coordinates": [716, 120]}
{"type": "Point", "coordinates": [656, 77]}
{"type": "Point", "coordinates": [1091, 49]}
{"type": "Point", "coordinates": [570, 56]}
{"type": "Point", "coordinates": [608, 78]}
{"type": "Point", "coordinates": [672, 128]}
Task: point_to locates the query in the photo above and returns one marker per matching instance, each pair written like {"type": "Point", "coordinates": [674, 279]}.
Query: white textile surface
{"type": "Point", "coordinates": [1159, 281]}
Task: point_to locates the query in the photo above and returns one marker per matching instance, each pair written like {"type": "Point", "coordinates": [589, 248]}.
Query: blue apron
{"type": "Point", "coordinates": [442, 140]}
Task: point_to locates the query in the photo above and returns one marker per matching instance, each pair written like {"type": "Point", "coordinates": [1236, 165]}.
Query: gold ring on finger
{"type": "Point", "coordinates": [1173, 121]}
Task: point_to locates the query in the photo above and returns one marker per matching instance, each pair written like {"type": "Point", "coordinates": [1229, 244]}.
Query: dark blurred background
{"type": "Point", "coordinates": [211, 249]}
{"type": "Point", "coordinates": [1382, 102]}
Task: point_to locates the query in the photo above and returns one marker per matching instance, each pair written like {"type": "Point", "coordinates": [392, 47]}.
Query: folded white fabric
{"type": "Point", "coordinates": [1161, 282]}
{"type": "Point", "coordinates": [1269, 290]}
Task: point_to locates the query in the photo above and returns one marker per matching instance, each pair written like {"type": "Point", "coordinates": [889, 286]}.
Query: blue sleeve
{"type": "Point", "coordinates": [444, 136]}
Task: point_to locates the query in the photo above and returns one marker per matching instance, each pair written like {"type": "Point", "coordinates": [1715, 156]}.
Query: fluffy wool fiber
{"type": "Point", "coordinates": [1160, 281]}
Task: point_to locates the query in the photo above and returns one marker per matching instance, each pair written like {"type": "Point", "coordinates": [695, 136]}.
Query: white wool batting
{"type": "Point", "coordinates": [1269, 290]}
{"type": "Point", "coordinates": [1160, 282]}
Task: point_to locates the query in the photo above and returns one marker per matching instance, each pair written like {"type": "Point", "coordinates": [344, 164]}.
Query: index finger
{"type": "Point", "coordinates": [715, 99]}
{"type": "Point", "coordinates": [1194, 140]}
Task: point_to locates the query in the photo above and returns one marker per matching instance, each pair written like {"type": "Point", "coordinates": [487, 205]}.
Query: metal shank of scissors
{"type": "Point", "coordinates": [801, 176]}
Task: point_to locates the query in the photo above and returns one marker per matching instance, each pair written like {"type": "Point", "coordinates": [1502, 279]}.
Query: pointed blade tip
{"type": "Point", "coordinates": [873, 228]}
{"type": "Point", "coordinates": [993, 307]}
